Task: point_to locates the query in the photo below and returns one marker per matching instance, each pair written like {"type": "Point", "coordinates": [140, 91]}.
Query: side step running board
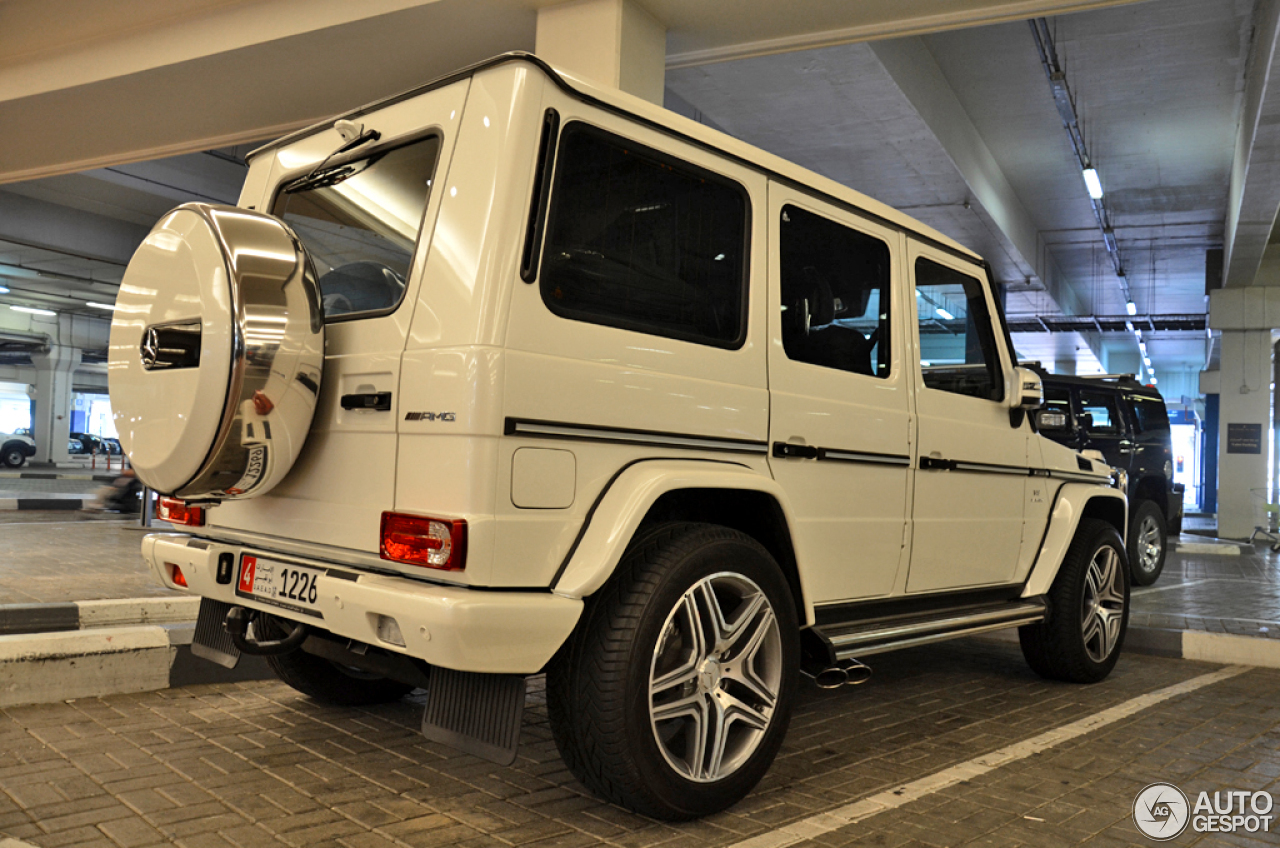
{"type": "Point", "coordinates": [864, 638]}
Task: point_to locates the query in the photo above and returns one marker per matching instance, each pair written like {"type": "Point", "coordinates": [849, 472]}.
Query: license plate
{"type": "Point", "coordinates": [281, 584]}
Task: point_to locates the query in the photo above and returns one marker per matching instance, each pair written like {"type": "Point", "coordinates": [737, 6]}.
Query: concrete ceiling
{"type": "Point", "coordinates": [1158, 88]}
{"type": "Point", "coordinates": [952, 123]}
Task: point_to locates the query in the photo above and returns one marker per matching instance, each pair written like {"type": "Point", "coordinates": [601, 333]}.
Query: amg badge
{"type": "Point", "coordinates": [430, 416]}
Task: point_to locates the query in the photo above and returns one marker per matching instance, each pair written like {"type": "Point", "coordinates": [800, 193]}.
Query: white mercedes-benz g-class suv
{"type": "Point", "coordinates": [510, 375]}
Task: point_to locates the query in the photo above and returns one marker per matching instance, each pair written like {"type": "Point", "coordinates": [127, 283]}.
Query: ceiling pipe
{"type": "Point", "coordinates": [1066, 106]}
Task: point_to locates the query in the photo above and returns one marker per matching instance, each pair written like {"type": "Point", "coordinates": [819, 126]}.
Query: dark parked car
{"type": "Point", "coordinates": [1128, 423]}
{"type": "Point", "coordinates": [87, 443]}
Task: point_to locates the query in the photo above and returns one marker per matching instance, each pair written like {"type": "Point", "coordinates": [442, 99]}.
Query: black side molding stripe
{"type": "Point", "coordinates": [619, 436]}
{"type": "Point", "coordinates": [784, 450]}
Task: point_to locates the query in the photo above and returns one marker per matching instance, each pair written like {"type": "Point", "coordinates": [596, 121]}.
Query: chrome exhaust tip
{"type": "Point", "coordinates": [844, 673]}
{"type": "Point", "coordinates": [855, 672]}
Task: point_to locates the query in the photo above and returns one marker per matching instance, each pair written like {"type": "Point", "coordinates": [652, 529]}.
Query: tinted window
{"type": "Point", "coordinates": [835, 294]}
{"type": "Point", "coordinates": [359, 222]}
{"type": "Point", "coordinates": [1103, 410]}
{"type": "Point", "coordinates": [1150, 414]}
{"type": "Point", "coordinates": [957, 345]}
{"type": "Point", "coordinates": [644, 242]}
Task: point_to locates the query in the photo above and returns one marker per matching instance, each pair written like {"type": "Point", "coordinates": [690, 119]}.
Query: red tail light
{"type": "Point", "coordinates": [419, 540]}
{"type": "Point", "coordinates": [176, 512]}
{"type": "Point", "coordinates": [176, 574]}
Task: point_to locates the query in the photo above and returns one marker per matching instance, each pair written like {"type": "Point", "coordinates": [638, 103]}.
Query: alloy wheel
{"type": "Point", "coordinates": [1149, 547]}
{"type": "Point", "coordinates": [715, 677]}
{"type": "Point", "coordinates": [1104, 602]}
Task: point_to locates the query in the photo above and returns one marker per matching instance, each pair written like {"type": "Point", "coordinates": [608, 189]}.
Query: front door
{"type": "Point", "coordinates": [971, 463]}
{"type": "Point", "coordinates": [839, 418]}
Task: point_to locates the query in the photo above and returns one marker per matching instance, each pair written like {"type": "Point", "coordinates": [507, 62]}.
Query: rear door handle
{"type": "Point", "coordinates": [377, 401]}
{"type": "Point", "coordinates": [787, 449]}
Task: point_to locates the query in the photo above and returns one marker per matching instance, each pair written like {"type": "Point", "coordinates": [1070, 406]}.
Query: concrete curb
{"type": "Point", "coordinates": [101, 477]}
{"type": "Point", "coordinates": [1224, 648]}
{"type": "Point", "coordinates": [76, 615]}
{"type": "Point", "coordinates": [42, 668]}
{"type": "Point", "coordinates": [72, 503]}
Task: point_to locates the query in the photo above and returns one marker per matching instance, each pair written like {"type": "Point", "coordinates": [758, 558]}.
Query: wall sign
{"type": "Point", "coordinates": [1244, 438]}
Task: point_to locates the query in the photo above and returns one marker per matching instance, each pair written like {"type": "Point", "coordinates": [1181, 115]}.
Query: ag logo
{"type": "Point", "coordinates": [1161, 811]}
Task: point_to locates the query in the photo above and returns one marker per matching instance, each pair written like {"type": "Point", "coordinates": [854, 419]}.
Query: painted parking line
{"type": "Point", "coordinates": [832, 820]}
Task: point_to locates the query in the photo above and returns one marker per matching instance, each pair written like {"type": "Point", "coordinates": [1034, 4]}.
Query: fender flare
{"type": "Point", "coordinates": [627, 499]}
{"type": "Point", "coordinates": [1069, 507]}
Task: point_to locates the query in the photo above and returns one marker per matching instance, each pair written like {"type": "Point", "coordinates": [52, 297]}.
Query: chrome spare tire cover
{"type": "Point", "coordinates": [217, 347]}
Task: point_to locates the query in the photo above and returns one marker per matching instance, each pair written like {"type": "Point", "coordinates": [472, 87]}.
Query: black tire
{"type": "Point", "coordinates": [599, 684]}
{"type": "Point", "coordinates": [332, 683]}
{"type": "Point", "coordinates": [13, 456]}
{"type": "Point", "coordinates": [1148, 543]}
{"type": "Point", "coordinates": [1059, 648]}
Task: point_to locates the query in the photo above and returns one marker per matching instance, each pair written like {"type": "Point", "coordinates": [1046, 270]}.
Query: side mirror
{"type": "Point", "coordinates": [1026, 391]}
{"type": "Point", "coordinates": [1051, 419]}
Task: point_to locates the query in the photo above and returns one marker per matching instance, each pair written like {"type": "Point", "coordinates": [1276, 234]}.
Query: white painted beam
{"type": "Point", "coordinates": [1255, 171]}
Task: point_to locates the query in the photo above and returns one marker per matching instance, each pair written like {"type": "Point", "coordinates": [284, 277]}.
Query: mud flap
{"type": "Point", "coordinates": [478, 714]}
{"type": "Point", "coordinates": [211, 640]}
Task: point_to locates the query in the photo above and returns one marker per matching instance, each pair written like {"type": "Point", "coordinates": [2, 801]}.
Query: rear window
{"type": "Point", "coordinates": [1149, 413]}
{"type": "Point", "coordinates": [642, 241]}
{"type": "Point", "coordinates": [359, 221]}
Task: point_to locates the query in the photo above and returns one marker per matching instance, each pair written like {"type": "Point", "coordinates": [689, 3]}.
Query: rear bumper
{"type": "Point", "coordinates": [462, 629]}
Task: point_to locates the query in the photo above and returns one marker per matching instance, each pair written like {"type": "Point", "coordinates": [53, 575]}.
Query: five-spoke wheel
{"type": "Point", "coordinates": [1080, 639]}
{"type": "Point", "coordinates": [715, 676]}
{"type": "Point", "coordinates": [674, 693]}
{"type": "Point", "coordinates": [1103, 613]}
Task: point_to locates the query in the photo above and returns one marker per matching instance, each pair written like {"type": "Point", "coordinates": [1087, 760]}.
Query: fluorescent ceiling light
{"type": "Point", "coordinates": [1154, 380]}
{"type": "Point", "coordinates": [33, 310]}
{"type": "Point", "coordinates": [1146, 360]}
{"type": "Point", "coordinates": [1131, 308]}
{"type": "Point", "coordinates": [99, 305]}
{"type": "Point", "coordinates": [1092, 183]}
{"type": "Point", "coordinates": [945, 314]}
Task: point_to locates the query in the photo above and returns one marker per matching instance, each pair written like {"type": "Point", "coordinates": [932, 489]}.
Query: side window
{"type": "Point", "coordinates": [1100, 413]}
{"type": "Point", "coordinates": [1150, 414]}
{"type": "Point", "coordinates": [359, 221]}
{"type": "Point", "coordinates": [641, 241]}
{"type": "Point", "coordinates": [957, 345]}
{"type": "Point", "coordinates": [835, 294]}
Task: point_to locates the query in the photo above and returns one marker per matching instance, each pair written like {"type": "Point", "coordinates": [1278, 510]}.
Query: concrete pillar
{"type": "Point", "coordinates": [1244, 410]}
{"type": "Point", "coordinates": [51, 422]}
{"type": "Point", "coordinates": [612, 43]}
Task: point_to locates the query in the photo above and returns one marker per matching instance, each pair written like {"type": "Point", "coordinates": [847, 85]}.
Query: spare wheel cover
{"type": "Point", "coordinates": [217, 347]}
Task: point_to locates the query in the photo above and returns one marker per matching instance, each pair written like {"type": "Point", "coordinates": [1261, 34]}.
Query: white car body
{"type": "Point", "coordinates": [555, 439]}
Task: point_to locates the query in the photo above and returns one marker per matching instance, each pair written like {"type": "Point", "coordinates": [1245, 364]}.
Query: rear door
{"type": "Point", "coordinates": [839, 408]}
{"type": "Point", "coordinates": [365, 219]}
{"type": "Point", "coordinates": [971, 463]}
{"type": "Point", "coordinates": [1105, 428]}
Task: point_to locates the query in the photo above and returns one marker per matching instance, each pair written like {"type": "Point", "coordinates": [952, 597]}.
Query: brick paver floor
{"type": "Point", "coordinates": [257, 764]}
{"type": "Point", "coordinates": [55, 556]}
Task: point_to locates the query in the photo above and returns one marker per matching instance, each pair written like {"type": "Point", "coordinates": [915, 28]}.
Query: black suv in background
{"type": "Point", "coordinates": [1129, 424]}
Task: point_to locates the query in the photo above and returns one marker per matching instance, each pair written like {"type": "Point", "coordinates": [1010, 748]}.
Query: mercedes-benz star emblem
{"type": "Point", "coordinates": [150, 348]}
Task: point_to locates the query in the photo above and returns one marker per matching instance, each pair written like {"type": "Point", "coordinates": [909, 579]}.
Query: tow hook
{"type": "Point", "coordinates": [237, 624]}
